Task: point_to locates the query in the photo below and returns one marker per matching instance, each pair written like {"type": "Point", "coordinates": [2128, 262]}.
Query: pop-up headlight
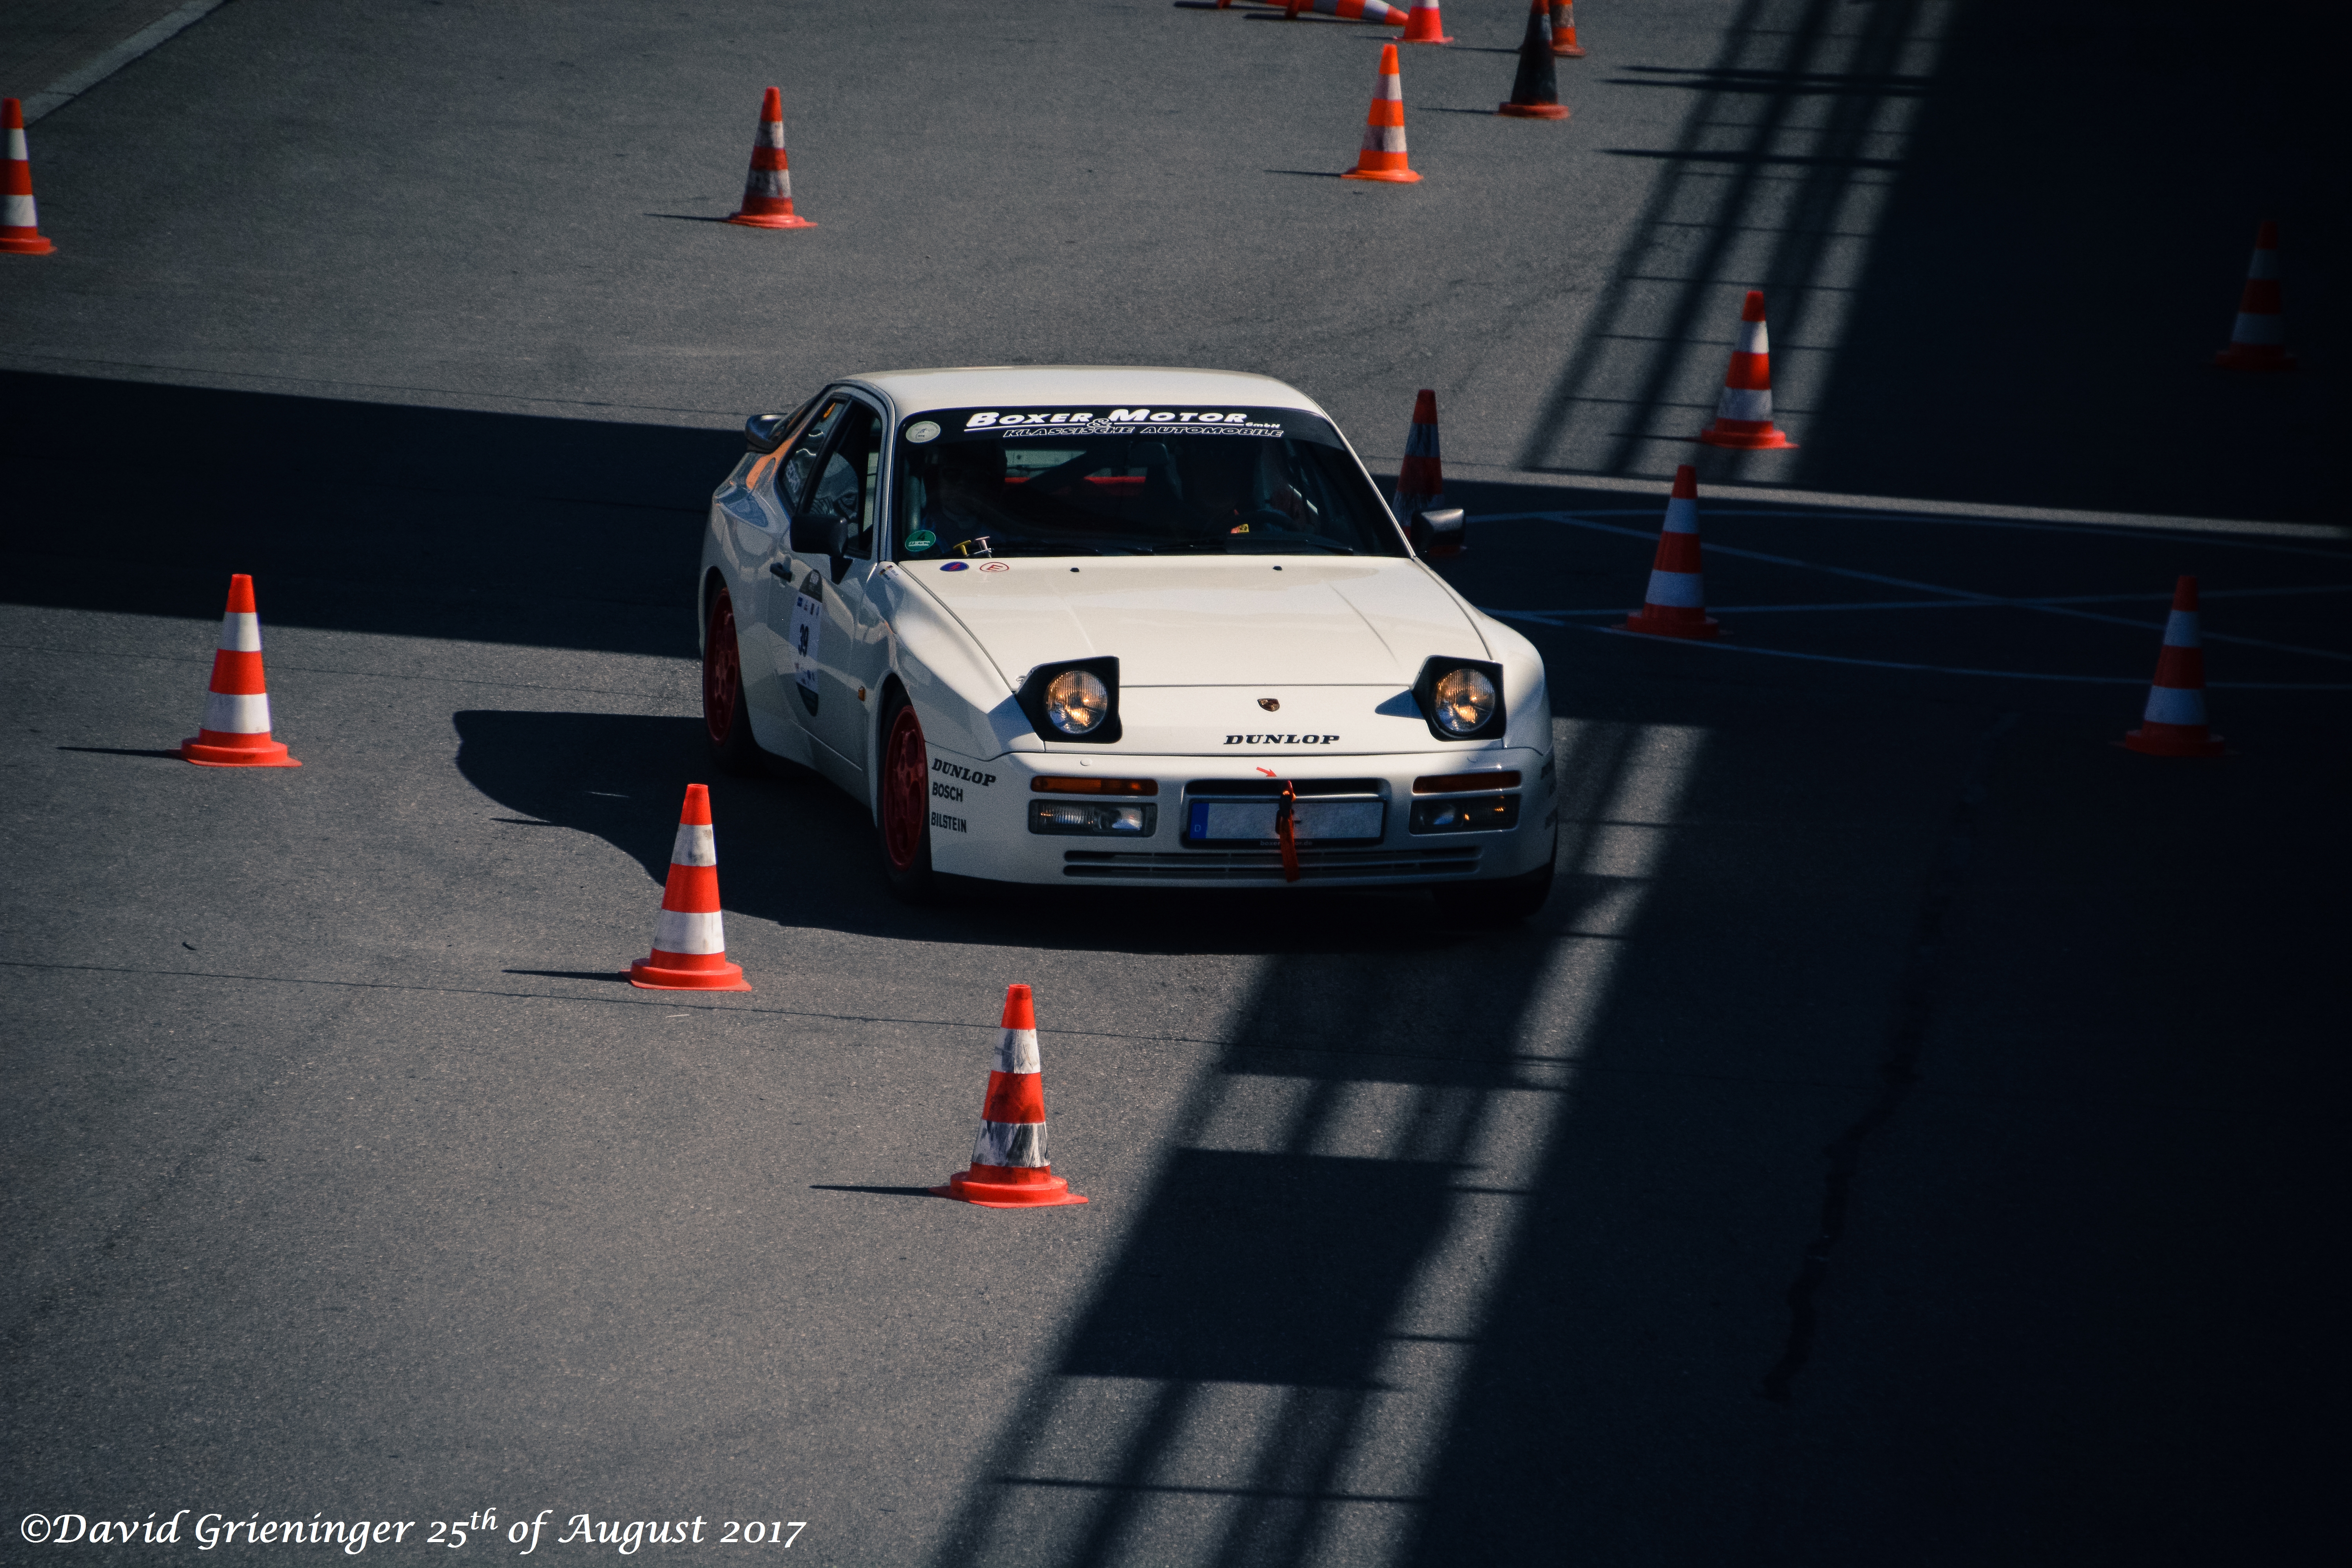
{"type": "Point", "coordinates": [1462, 699]}
{"type": "Point", "coordinates": [1076, 699]}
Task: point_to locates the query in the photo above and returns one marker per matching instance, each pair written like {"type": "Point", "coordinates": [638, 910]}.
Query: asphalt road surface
{"type": "Point", "coordinates": [1911, 1133]}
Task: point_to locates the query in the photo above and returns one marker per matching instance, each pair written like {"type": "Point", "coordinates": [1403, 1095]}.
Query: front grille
{"type": "Point", "coordinates": [1267, 789]}
{"type": "Point", "coordinates": [1265, 865]}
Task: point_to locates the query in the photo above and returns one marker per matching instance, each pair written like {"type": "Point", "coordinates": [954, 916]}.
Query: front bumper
{"type": "Point", "coordinates": [981, 815]}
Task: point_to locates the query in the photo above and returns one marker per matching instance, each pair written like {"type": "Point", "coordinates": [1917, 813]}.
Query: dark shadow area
{"type": "Point", "coordinates": [796, 851]}
{"type": "Point", "coordinates": [1771, 81]}
{"type": "Point", "coordinates": [2057, 260]}
{"type": "Point", "coordinates": [876, 1192]}
{"type": "Point", "coordinates": [615, 975]}
{"type": "Point", "coordinates": [1759, 160]}
{"type": "Point", "coordinates": [1304, 1288]}
{"type": "Point", "coordinates": [364, 517]}
{"type": "Point", "coordinates": [123, 752]}
{"type": "Point", "coordinates": [2142, 261]}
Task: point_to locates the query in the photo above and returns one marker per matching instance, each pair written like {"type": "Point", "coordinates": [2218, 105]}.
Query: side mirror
{"type": "Point", "coordinates": [820, 533]}
{"type": "Point", "coordinates": [1439, 532]}
{"type": "Point", "coordinates": [762, 432]}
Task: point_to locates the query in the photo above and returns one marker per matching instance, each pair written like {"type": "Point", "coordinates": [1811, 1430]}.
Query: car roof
{"type": "Point", "coordinates": [1031, 385]}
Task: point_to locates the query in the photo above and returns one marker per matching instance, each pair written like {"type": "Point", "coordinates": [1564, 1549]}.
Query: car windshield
{"type": "Point", "coordinates": [973, 482]}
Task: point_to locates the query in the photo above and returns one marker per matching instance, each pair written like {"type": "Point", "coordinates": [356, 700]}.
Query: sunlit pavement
{"type": "Point", "coordinates": [1906, 1136]}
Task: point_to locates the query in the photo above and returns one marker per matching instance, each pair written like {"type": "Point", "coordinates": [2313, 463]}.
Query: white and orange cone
{"type": "Point", "coordinates": [689, 936]}
{"type": "Point", "coordinates": [768, 188]}
{"type": "Point", "coordinates": [1347, 10]}
{"type": "Point", "coordinates": [2258, 339]}
{"type": "Point", "coordinates": [1382, 155]}
{"type": "Point", "coordinates": [2173, 724]}
{"type": "Point", "coordinates": [1535, 88]}
{"type": "Point", "coordinates": [1424, 25]}
{"type": "Point", "coordinates": [1008, 1167]}
{"type": "Point", "coordinates": [1421, 479]}
{"type": "Point", "coordinates": [1743, 416]}
{"type": "Point", "coordinates": [1675, 603]}
{"type": "Point", "coordinates": [1563, 30]}
{"type": "Point", "coordinates": [236, 731]}
{"type": "Point", "coordinates": [20, 223]}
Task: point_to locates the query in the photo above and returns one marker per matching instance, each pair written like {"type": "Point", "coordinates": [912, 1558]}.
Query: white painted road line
{"type": "Point", "coordinates": [73, 84]}
{"type": "Point", "coordinates": [2044, 606]}
{"type": "Point", "coordinates": [2163, 598]}
{"type": "Point", "coordinates": [1939, 511]}
{"type": "Point", "coordinates": [1725, 646]}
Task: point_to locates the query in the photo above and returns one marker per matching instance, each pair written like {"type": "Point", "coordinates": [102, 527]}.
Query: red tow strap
{"type": "Point", "coordinates": [1284, 829]}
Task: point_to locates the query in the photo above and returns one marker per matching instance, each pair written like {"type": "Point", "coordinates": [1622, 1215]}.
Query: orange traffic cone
{"type": "Point", "coordinates": [1421, 479]}
{"type": "Point", "coordinates": [768, 188]}
{"type": "Point", "coordinates": [236, 731]}
{"type": "Point", "coordinates": [1535, 91]}
{"type": "Point", "coordinates": [1383, 157]}
{"type": "Point", "coordinates": [2173, 725]}
{"type": "Point", "coordinates": [1009, 1168]}
{"type": "Point", "coordinates": [20, 226]}
{"type": "Point", "coordinates": [1347, 10]}
{"type": "Point", "coordinates": [1563, 30]}
{"type": "Point", "coordinates": [1426, 25]}
{"type": "Point", "coordinates": [2258, 341]}
{"type": "Point", "coordinates": [689, 938]}
{"type": "Point", "coordinates": [1743, 416]}
{"type": "Point", "coordinates": [1676, 604]}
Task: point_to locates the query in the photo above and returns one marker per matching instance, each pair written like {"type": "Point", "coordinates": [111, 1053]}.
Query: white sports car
{"type": "Point", "coordinates": [1141, 628]}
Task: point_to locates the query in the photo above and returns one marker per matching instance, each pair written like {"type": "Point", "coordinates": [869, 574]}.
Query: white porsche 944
{"type": "Point", "coordinates": [1143, 627]}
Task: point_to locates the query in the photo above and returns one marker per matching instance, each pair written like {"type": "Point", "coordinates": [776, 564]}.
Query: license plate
{"type": "Point", "coordinates": [1313, 821]}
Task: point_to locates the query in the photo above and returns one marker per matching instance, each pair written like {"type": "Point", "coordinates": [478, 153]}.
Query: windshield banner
{"type": "Point", "coordinates": [1015, 423]}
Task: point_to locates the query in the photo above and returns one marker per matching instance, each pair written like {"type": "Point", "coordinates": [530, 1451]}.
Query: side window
{"type": "Point", "coordinates": [801, 458]}
{"type": "Point", "coordinates": [766, 467]}
{"type": "Point", "coordinates": [846, 486]}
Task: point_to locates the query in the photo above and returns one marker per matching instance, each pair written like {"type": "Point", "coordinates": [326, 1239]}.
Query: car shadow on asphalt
{"type": "Point", "coordinates": [360, 517]}
{"type": "Point", "coordinates": [796, 851]}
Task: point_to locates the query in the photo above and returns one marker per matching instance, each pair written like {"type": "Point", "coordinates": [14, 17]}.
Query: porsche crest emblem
{"type": "Point", "coordinates": [1271, 704]}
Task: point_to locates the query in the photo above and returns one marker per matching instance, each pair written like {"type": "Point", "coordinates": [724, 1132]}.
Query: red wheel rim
{"type": "Point", "coordinates": [906, 788]}
{"type": "Point", "coordinates": [722, 672]}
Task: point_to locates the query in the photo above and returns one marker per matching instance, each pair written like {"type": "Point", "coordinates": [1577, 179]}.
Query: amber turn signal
{"type": "Point", "coordinates": [1458, 783]}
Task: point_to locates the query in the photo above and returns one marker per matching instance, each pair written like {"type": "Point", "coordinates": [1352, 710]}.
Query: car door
{"type": "Point", "coordinates": [752, 506]}
{"type": "Point", "coordinates": [786, 625]}
{"type": "Point", "coordinates": [833, 635]}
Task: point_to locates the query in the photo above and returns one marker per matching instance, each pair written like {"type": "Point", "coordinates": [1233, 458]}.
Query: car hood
{"type": "Point", "coordinates": [1249, 621]}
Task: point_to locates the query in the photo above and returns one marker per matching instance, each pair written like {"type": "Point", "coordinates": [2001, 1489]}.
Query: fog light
{"type": "Point", "coordinates": [1467, 814]}
{"type": "Point", "coordinates": [1092, 817]}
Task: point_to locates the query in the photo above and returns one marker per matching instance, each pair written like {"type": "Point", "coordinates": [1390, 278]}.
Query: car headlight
{"type": "Point", "coordinates": [1462, 699]}
{"type": "Point", "coordinates": [1076, 703]}
{"type": "Point", "coordinates": [1073, 700]}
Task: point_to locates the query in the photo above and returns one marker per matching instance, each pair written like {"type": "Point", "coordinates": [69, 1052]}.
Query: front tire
{"type": "Point", "coordinates": [902, 816]}
{"type": "Point", "coordinates": [726, 717]}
